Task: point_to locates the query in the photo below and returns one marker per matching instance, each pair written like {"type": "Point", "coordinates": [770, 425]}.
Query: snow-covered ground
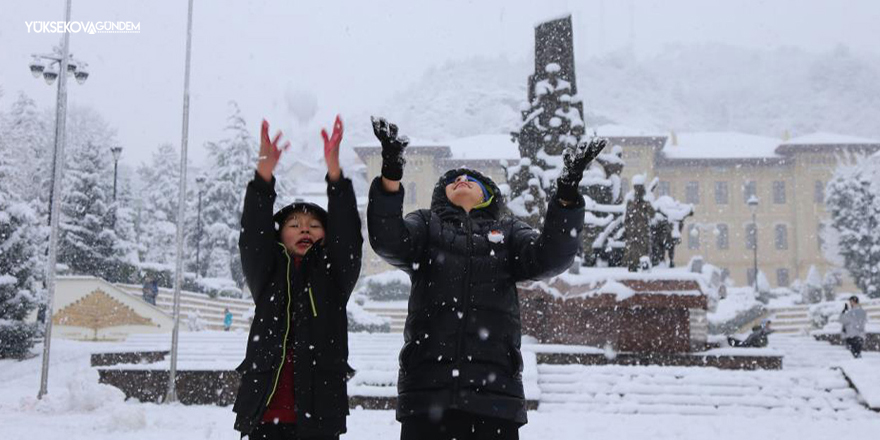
{"type": "Point", "coordinates": [77, 407]}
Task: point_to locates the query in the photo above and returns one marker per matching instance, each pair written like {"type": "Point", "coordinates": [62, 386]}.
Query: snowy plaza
{"type": "Point", "coordinates": [456, 220]}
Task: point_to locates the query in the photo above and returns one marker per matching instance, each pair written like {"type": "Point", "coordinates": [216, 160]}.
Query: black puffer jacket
{"type": "Point", "coordinates": [315, 295]}
{"type": "Point", "coordinates": [462, 336]}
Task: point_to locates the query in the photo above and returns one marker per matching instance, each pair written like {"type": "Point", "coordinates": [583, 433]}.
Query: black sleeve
{"type": "Point", "coordinates": [399, 241]}
{"type": "Point", "coordinates": [257, 240]}
{"type": "Point", "coordinates": [550, 252]}
{"type": "Point", "coordinates": [344, 241]}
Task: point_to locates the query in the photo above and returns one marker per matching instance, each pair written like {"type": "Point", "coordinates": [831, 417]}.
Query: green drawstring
{"type": "Point", "coordinates": [312, 299]}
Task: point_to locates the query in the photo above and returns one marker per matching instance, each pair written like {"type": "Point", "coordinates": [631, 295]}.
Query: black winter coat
{"type": "Point", "coordinates": [462, 334]}
{"type": "Point", "coordinates": [315, 295]}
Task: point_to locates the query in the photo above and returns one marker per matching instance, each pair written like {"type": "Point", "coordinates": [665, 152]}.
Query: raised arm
{"type": "Point", "coordinates": [256, 240]}
{"type": "Point", "coordinates": [343, 240]}
{"type": "Point", "coordinates": [397, 240]}
{"type": "Point", "coordinates": [550, 252]}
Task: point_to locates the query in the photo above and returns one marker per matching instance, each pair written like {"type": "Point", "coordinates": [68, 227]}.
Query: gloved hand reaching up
{"type": "Point", "coordinates": [576, 161]}
{"type": "Point", "coordinates": [392, 148]}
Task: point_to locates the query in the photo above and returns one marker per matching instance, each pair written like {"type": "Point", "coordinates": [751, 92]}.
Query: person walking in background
{"type": "Point", "coordinates": [227, 319]}
{"type": "Point", "coordinates": [852, 321]}
{"type": "Point", "coordinates": [151, 290]}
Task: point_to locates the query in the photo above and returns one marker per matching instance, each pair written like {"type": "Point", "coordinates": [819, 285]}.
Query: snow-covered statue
{"type": "Point", "coordinates": [552, 121]}
{"type": "Point", "coordinates": [637, 221]}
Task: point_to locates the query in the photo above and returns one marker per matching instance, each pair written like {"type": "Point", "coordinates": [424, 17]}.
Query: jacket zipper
{"type": "Point", "coordinates": [465, 304]}
{"type": "Point", "coordinates": [286, 331]}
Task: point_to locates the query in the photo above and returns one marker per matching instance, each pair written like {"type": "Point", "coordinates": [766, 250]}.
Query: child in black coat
{"type": "Point", "coordinates": [301, 265]}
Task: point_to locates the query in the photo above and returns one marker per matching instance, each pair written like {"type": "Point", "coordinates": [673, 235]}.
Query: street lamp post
{"type": "Point", "coordinates": [753, 206]}
{"type": "Point", "coordinates": [200, 182]}
{"type": "Point", "coordinates": [171, 395]}
{"type": "Point", "coordinates": [62, 59]}
{"type": "Point", "coordinates": [117, 151]}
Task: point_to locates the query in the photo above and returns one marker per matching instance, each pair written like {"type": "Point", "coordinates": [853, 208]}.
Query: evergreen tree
{"type": "Point", "coordinates": [232, 167]}
{"type": "Point", "coordinates": [158, 229]}
{"type": "Point", "coordinates": [87, 238]}
{"type": "Point", "coordinates": [853, 199]}
{"type": "Point", "coordinates": [19, 292]}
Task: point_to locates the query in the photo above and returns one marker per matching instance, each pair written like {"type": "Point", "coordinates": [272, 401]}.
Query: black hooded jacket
{"type": "Point", "coordinates": [462, 335]}
{"type": "Point", "coordinates": [315, 295]}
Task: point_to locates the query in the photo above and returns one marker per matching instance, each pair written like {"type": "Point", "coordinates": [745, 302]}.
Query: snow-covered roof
{"type": "Point", "coordinates": [413, 142]}
{"type": "Point", "coordinates": [614, 130]}
{"type": "Point", "coordinates": [487, 146]}
{"type": "Point", "coordinates": [825, 138]}
{"type": "Point", "coordinates": [719, 145]}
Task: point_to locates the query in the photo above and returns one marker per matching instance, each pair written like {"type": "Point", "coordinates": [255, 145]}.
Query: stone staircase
{"type": "Point", "coordinates": [795, 320]}
{"type": "Point", "coordinates": [808, 385]}
{"type": "Point", "coordinates": [395, 311]}
{"type": "Point", "coordinates": [209, 310]}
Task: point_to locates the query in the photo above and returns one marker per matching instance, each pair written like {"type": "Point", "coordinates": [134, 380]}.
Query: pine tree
{"type": "Point", "coordinates": [232, 167]}
{"type": "Point", "coordinates": [158, 229]}
{"type": "Point", "coordinates": [853, 199]}
{"type": "Point", "coordinates": [19, 292]}
{"type": "Point", "coordinates": [87, 238]}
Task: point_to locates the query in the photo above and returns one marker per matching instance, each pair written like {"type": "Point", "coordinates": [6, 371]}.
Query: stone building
{"type": "Point", "coordinates": [714, 171]}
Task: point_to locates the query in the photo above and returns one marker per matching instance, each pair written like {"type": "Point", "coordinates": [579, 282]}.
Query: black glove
{"type": "Point", "coordinates": [392, 148]}
{"type": "Point", "coordinates": [576, 161]}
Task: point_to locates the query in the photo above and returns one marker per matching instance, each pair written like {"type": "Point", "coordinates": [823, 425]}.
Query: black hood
{"type": "Point", "coordinates": [445, 209]}
{"type": "Point", "coordinates": [309, 207]}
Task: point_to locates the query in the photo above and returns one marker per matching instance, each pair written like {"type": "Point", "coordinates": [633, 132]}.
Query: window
{"type": "Point", "coordinates": [750, 189]}
{"type": "Point", "coordinates": [721, 193]}
{"type": "Point", "coordinates": [751, 236]}
{"type": "Point", "coordinates": [692, 192]}
{"type": "Point", "coordinates": [820, 232]}
{"type": "Point", "coordinates": [781, 234]}
{"type": "Point", "coordinates": [778, 192]}
{"type": "Point", "coordinates": [664, 189]}
{"type": "Point", "coordinates": [722, 240]}
{"type": "Point", "coordinates": [750, 276]}
{"type": "Point", "coordinates": [693, 237]}
{"type": "Point", "coordinates": [411, 189]}
{"type": "Point", "coordinates": [819, 192]}
{"type": "Point", "coordinates": [782, 277]}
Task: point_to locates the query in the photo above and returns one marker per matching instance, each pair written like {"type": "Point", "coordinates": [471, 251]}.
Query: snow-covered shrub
{"type": "Point", "coordinates": [360, 320]}
{"type": "Point", "coordinates": [386, 286]}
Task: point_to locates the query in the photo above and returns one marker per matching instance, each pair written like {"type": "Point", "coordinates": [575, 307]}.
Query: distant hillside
{"type": "Point", "coordinates": [688, 88]}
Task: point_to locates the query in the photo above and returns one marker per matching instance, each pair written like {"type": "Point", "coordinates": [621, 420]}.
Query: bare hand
{"type": "Point", "coordinates": [270, 152]}
{"type": "Point", "coordinates": [331, 150]}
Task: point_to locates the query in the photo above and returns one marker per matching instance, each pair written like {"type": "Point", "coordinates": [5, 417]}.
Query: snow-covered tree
{"type": "Point", "coordinates": [19, 267]}
{"type": "Point", "coordinates": [231, 165]}
{"type": "Point", "coordinates": [87, 237]}
{"type": "Point", "coordinates": [158, 222]}
{"type": "Point", "coordinates": [28, 136]}
{"type": "Point", "coordinates": [811, 289]}
{"type": "Point", "coordinates": [853, 199]}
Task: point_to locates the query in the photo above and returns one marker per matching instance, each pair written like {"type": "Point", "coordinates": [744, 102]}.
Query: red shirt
{"type": "Point", "coordinates": [281, 408]}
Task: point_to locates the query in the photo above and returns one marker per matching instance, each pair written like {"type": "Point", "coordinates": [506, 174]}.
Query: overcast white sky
{"type": "Point", "coordinates": [354, 55]}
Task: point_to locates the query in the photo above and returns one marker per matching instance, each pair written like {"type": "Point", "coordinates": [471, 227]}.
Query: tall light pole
{"type": "Point", "coordinates": [117, 151]}
{"type": "Point", "coordinates": [171, 396]}
{"type": "Point", "coordinates": [753, 206]}
{"type": "Point", "coordinates": [61, 58]}
{"type": "Point", "coordinates": [200, 184]}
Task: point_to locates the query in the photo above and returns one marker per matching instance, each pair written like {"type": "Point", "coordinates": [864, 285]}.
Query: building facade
{"type": "Point", "coordinates": [716, 172]}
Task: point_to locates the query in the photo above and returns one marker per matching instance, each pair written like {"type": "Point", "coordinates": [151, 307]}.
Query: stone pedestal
{"type": "Point", "coordinates": [635, 315]}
